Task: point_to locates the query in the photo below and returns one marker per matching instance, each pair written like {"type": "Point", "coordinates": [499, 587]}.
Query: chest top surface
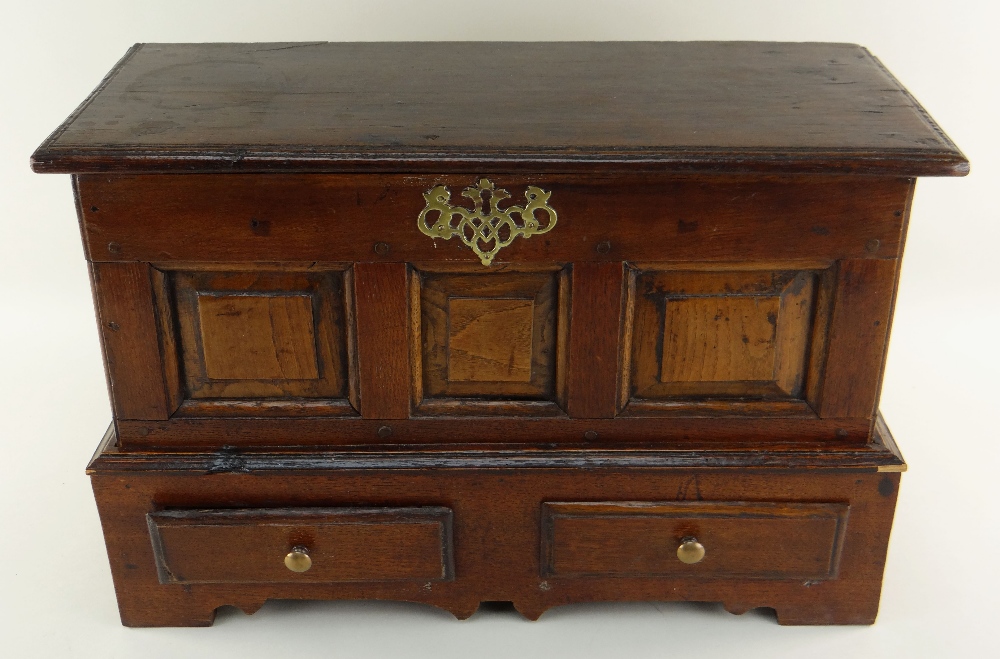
{"type": "Point", "coordinates": [453, 106]}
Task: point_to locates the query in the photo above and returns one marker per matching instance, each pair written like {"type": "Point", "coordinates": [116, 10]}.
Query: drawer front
{"type": "Point", "coordinates": [342, 544]}
{"type": "Point", "coordinates": [740, 539]}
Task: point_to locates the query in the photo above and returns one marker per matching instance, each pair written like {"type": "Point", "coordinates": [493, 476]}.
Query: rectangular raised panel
{"type": "Point", "coordinates": [489, 341]}
{"type": "Point", "coordinates": [754, 540]}
{"type": "Point", "coordinates": [344, 544]}
{"type": "Point", "coordinates": [257, 341]}
{"type": "Point", "coordinates": [257, 337]}
{"type": "Point", "coordinates": [693, 336]}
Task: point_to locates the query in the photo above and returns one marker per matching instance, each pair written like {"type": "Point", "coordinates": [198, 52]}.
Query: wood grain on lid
{"type": "Point", "coordinates": [471, 106]}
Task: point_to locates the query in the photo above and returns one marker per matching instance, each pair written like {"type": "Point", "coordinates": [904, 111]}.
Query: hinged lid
{"type": "Point", "coordinates": [486, 106]}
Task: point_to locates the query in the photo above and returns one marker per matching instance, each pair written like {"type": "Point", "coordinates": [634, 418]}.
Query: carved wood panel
{"type": "Point", "coordinates": [694, 336]}
{"type": "Point", "coordinates": [489, 341]}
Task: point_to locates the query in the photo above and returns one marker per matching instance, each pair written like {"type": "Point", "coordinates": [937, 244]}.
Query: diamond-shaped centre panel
{"type": "Point", "coordinates": [490, 342]}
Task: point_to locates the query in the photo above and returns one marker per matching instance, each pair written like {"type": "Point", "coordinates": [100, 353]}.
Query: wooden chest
{"type": "Point", "coordinates": [534, 322]}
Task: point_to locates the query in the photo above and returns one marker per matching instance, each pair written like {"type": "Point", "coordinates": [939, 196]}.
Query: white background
{"type": "Point", "coordinates": [941, 589]}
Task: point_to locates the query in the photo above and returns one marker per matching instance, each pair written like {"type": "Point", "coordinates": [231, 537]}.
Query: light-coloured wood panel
{"type": "Point", "coordinates": [719, 339]}
{"type": "Point", "coordinates": [695, 336]}
{"type": "Point", "coordinates": [253, 337]}
{"type": "Point", "coordinates": [263, 335]}
{"type": "Point", "coordinates": [489, 340]}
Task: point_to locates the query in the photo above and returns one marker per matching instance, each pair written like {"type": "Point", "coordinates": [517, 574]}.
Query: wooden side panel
{"type": "Point", "coordinates": [381, 296]}
{"type": "Point", "coordinates": [756, 540]}
{"type": "Point", "coordinates": [344, 544]}
{"type": "Point", "coordinates": [595, 332]}
{"type": "Point", "coordinates": [859, 332]}
{"type": "Point", "coordinates": [129, 327]}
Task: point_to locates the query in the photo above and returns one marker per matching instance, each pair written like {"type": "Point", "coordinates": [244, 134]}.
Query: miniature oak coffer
{"type": "Point", "coordinates": [461, 322]}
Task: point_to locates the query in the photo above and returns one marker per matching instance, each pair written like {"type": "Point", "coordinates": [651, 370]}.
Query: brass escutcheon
{"type": "Point", "coordinates": [485, 230]}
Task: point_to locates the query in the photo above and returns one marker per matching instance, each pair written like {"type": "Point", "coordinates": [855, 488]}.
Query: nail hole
{"type": "Point", "coordinates": [94, 209]}
{"type": "Point", "coordinates": [114, 326]}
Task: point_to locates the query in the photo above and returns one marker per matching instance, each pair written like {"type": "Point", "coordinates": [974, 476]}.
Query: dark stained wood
{"type": "Point", "coordinates": [498, 535]}
{"type": "Point", "coordinates": [381, 295]}
{"type": "Point", "coordinates": [129, 329]}
{"type": "Point", "coordinates": [718, 106]}
{"type": "Point", "coordinates": [881, 454]}
{"type": "Point", "coordinates": [690, 344]}
{"type": "Point", "coordinates": [344, 544]}
{"type": "Point", "coordinates": [594, 336]}
{"type": "Point", "coordinates": [859, 332]}
{"type": "Point", "coordinates": [745, 539]}
{"type": "Point", "coordinates": [324, 218]}
{"type": "Point", "coordinates": [754, 424]}
{"type": "Point", "coordinates": [166, 315]}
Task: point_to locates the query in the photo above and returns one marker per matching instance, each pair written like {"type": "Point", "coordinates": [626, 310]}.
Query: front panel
{"type": "Point", "coordinates": [440, 309]}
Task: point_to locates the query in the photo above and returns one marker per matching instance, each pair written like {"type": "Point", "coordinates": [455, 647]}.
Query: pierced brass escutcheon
{"type": "Point", "coordinates": [485, 230]}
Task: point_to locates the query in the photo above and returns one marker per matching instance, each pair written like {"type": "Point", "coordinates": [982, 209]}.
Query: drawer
{"type": "Point", "coordinates": [739, 539]}
{"type": "Point", "coordinates": [302, 545]}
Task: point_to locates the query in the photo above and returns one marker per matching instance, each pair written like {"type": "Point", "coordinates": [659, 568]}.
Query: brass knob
{"type": "Point", "coordinates": [691, 551]}
{"type": "Point", "coordinates": [298, 559]}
